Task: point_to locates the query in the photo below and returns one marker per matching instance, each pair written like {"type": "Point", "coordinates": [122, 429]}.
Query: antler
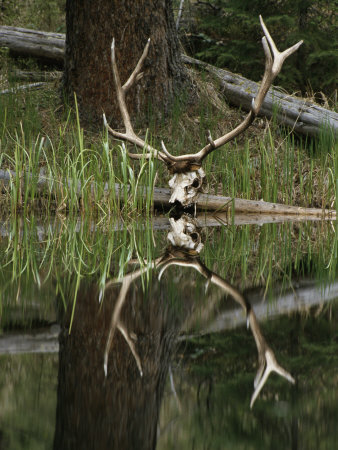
{"type": "Point", "coordinates": [273, 65]}
{"type": "Point", "coordinates": [266, 357]}
{"type": "Point", "coordinates": [188, 175]}
{"type": "Point", "coordinates": [130, 135]}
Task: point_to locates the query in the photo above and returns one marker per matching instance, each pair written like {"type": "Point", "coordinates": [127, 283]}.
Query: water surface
{"type": "Point", "coordinates": [81, 297]}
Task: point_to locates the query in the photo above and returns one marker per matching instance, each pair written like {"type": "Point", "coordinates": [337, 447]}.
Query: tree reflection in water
{"type": "Point", "coordinates": [114, 364]}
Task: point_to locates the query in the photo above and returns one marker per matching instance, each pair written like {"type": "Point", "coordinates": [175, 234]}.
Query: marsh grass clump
{"type": "Point", "coordinates": [70, 171]}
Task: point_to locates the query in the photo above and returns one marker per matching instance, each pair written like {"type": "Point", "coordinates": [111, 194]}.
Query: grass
{"type": "Point", "coordinates": [39, 257]}
{"type": "Point", "coordinates": [81, 175]}
{"type": "Point", "coordinates": [40, 136]}
{"type": "Point", "coordinates": [265, 163]}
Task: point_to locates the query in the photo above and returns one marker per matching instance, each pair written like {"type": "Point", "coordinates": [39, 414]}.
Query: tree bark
{"type": "Point", "coordinates": [91, 27]}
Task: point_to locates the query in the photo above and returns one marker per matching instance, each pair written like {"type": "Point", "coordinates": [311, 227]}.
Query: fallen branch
{"type": "Point", "coordinates": [25, 87]}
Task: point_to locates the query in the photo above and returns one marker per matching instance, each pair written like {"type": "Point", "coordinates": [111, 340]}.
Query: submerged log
{"type": "Point", "coordinates": [301, 115]}
{"type": "Point", "coordinates": [299, 299]}
{"type": "Point", "coordinates": [206, 202]}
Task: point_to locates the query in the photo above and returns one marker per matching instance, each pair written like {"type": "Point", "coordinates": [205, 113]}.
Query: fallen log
{"type": "Point", "coordinates": [28, 75]}
{"type": "Point", "coordinates": [24, 87]}
{"type": "Point", "coordinates": [206, 202]}
{"type": "Point", "coordinates": [158, 222]}
{"type": "Point", "coordinates": [300, 299]}
{"type": "Point", "coordinates": [299, 114]}
{"type": "Point", "coordinates": [297, 299]}
{"type": "Point", "coordinates": [38, 44]}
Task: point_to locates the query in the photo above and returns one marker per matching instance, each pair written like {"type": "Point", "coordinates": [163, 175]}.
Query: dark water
{"type": "Point", "coordinates": [68, 307]}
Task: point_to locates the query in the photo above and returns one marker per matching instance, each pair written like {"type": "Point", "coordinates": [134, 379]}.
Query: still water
{"type": "Point", "coordinates": [152, 334]}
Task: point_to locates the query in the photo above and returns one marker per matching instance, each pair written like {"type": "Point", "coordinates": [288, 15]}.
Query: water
{"type": "Point", "coordinates": [79, 297]}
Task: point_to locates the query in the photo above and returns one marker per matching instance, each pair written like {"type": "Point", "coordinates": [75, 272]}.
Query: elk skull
{"type": "Point", "coordinates": [186, 186]}
{"type": "Point", "coordinates": [184, 234]}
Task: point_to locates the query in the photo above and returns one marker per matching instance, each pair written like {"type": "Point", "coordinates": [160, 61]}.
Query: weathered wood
{"type": "Point", "coordinates": [206, 202]}
{"type": "Point", "coordinates": [157, 223]}
{"type": "Point", "coordinates": [39, 341]}
{"type": "Point", "coordinates": [25, 87]}
{"type": "Point", "coordinates": [28, 75]}
{"type": "Point", "coordinates": [299, 114]}
{"type": "Point", "coordinates": [297, 299]}
{"type": "Point", "coordinates": [39, 44]}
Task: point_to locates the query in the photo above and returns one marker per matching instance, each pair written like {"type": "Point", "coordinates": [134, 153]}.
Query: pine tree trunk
{"type": "Point", "coordinates": [90, 29]}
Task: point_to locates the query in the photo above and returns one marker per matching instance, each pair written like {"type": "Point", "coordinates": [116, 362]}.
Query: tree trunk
{"type": "Point", "coordinates": [119, 411]}
{"type": "Point", "coordinates": [90, 29]}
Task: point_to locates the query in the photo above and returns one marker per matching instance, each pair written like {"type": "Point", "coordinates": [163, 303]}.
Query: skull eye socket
{"type": "Point", "coordinates": [195, 183]}
{"type": "Point", "coordinates": [194, 236]}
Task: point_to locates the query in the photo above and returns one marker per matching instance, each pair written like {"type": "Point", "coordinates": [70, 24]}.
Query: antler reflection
{"type": "Point", "coordinates": [267, 362]}
{"type": "Point", "coordinates": [116, 322]}
{"type": "Point", "coordinates": [183, 235]}
{"type": "Point", "coordinates": [184, 251]}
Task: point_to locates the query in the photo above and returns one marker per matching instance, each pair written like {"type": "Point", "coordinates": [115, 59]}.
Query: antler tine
{"type": "Point", "coordinates": [272, 65]}
{"type": "Point", "coordinates": [136, 74]}
{"type": "Point", "coordinates": [266, 359]}
{"type": "Point", "coordinates": [130, 135]}
{"type": "Point", "coordinates": [131, 345]}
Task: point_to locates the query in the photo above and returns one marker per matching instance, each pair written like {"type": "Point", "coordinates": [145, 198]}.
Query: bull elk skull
{"type": "Point", "coordinates": [187, 171]}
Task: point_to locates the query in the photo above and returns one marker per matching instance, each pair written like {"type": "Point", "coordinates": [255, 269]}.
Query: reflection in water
{"type": "Point", "coordinates": [141, 321]}
{"type": "Point", "coordinates": [111, 384]}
